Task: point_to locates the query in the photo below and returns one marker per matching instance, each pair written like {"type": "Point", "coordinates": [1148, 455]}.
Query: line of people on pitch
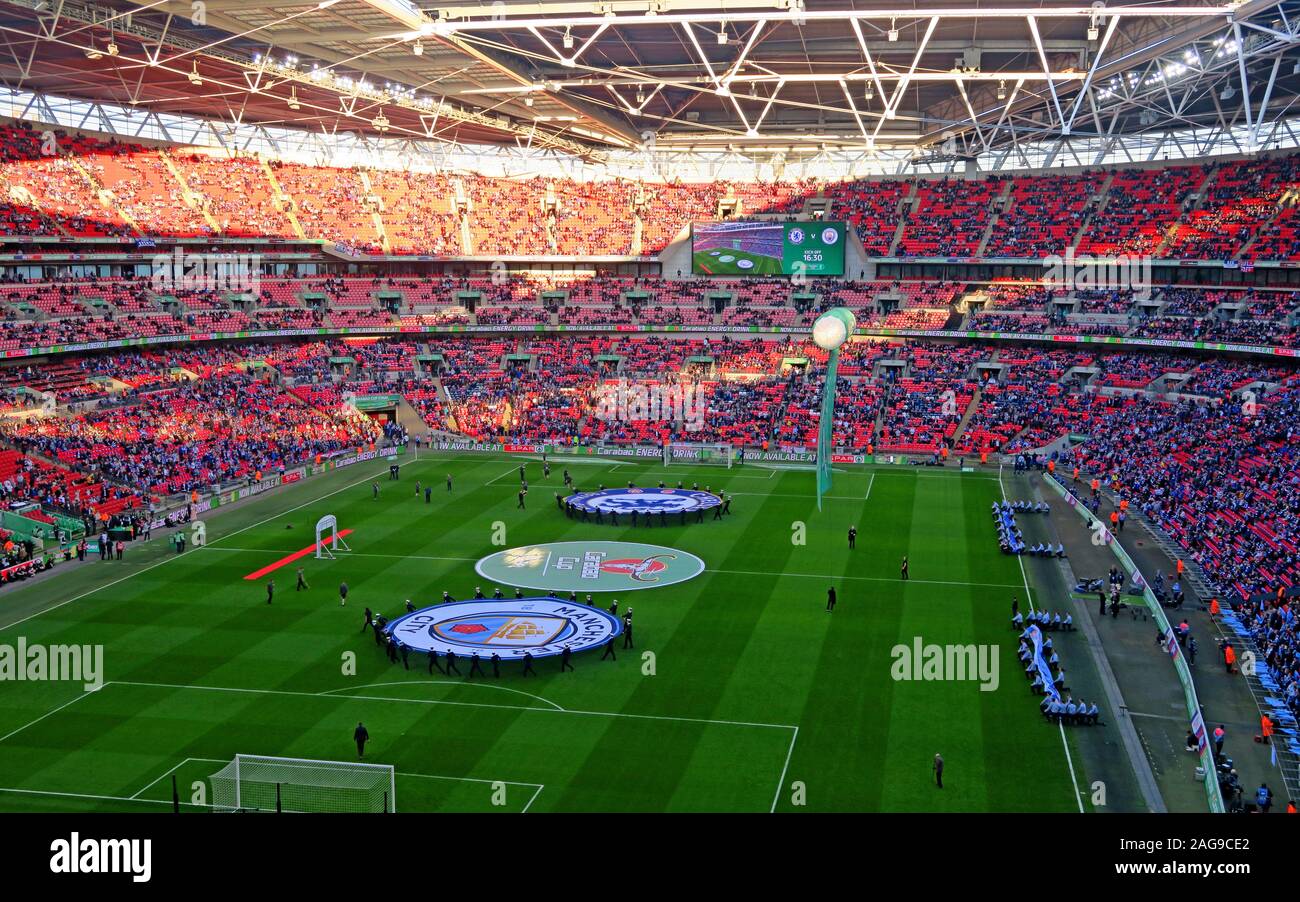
{"type": "Point", "coordinates": [1070, 712]}
{"type": "Point", "coordinates": [1052, 707]}
{"type": "Point", "coordinates": [399, 652]}
{"type": "Point", "coordinates": [1066, 711]}
{"type": "Point", "coordinates": [1010, 539]}
{"type": "Point", "coordinates": [1045, 620]}
{"type": "Point", "coordinates": [574, 511]}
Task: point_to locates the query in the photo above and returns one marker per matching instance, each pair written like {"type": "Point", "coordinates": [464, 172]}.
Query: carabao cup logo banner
{"type": "Point", "coordinates": [644, 501]}
{"type": "Point", "coordinates": [539, 626]}
{"type": "Point", "coordinates": [590, 566]}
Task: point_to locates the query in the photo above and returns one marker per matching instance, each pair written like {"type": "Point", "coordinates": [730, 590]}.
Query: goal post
{"type": "Point", "coordinates": [325, 548]}
{"type": "Point", "coordinates": [719, 454]}
{"type": "Point", "coordinates": [303, 785]}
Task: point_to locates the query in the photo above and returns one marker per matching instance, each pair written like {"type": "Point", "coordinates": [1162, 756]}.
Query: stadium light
{"type": "Point", "coordinates": [833, 328]}
{"type": "Point", "coordinates": [893, 30]}
{"type": "Point", "coordinates": [417, 48]}
{"type": "Point", "coordinates": [568, 39]}
{"type": "Point", "coordinates": [194, 77]}
{"type": "Point", "coordinates": [722, 34]}
{"type": "Point", "coordinates": [1002, 90]}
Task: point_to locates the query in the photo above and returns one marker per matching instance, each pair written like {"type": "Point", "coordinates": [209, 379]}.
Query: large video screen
{"type": "Point", "coordinates": [767, 248]}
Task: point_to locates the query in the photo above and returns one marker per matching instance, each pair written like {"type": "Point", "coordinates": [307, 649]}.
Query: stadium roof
{"type": "Point", "coordinates": [941, 81]}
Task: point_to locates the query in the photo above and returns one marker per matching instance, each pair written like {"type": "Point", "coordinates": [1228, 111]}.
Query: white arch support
{"type": "Point", "coordinates": [329, 523]}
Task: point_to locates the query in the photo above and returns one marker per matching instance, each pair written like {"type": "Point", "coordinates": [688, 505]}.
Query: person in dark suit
{"type": "Point", "coordinates": [565, 663]}
{"type": "Point", "coordinates": [853, 537]}
{"type": "Point", "coordinates": [830, 599]}
{"type": "Point", "coordinates": [361, 736]}
{"type": "Point", "coordinates": [938, 770]}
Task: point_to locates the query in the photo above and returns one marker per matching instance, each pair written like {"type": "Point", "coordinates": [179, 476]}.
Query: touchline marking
{"type": "Point", "coordinates": [423, 701]}
{"type": "Point", "coordinates": [867, 497]}
{"type": "Point", "coordinates": [173, 557]}
{"type": "Point", "coordinates": [1029, 597]}
{"type": "Point", "coordinates": [435, 682]}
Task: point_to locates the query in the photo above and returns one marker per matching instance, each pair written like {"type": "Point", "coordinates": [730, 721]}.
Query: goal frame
{"type": "Point", "coordinates": [390, 806]}
{"type": "Point", "coordinates": [329, 523]}
{"type": "Point", "coordinates": [699, 453]}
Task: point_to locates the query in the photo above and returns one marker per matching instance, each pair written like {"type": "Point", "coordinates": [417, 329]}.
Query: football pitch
{"type": "Point", "coordinates": [742, 693]}
{"type": "Point", "coordinates": [726, 262]}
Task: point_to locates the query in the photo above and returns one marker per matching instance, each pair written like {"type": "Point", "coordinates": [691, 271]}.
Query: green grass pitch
{"type": "Point", "coordinates": [759, 700]}
{"type": "Point", "coordinates": [708, 264]}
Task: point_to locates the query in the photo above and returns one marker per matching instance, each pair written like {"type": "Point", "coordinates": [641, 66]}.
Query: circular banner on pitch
{"type": "Point", "coordinates": [644, 501]}
{"type": "Point", "coordinates": [590, 566]}
{"type": "Point", "coordinates": [539, 626]}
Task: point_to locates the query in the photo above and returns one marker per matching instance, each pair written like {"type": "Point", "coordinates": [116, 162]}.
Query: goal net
{"type": "Point", "coordinates": [718, 455]}
{"type": "Point", "coordinates": [325, 547]}
{"type": "Point", "coordinates": [262, 783]}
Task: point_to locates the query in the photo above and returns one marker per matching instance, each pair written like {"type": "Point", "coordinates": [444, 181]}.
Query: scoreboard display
{"type": "Point", "coordinates": [768, 248]}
